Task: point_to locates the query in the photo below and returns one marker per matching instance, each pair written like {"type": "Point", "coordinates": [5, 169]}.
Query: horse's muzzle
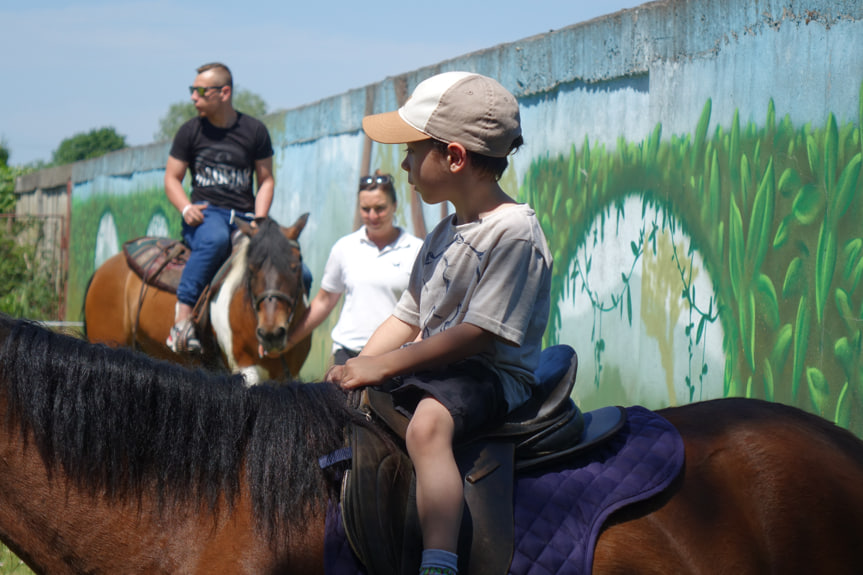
{"type": "Point", "coordinates": [272, 342]}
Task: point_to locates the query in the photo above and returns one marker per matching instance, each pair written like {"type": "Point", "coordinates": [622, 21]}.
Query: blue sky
{"type": "Point", "coordinates": [71, 66]}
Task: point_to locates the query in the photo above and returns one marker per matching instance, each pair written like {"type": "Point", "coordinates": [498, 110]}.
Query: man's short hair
{"type": "Point", "coordinates": [223, 73]}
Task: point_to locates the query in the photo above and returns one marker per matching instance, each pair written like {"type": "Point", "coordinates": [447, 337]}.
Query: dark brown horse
{"type": "Point", "coordinates": [112, 462]}
{"type": "Point", "coordinates": [250, 312]}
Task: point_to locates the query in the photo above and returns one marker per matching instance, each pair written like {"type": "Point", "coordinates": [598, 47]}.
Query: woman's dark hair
{"type": "Point", "coordinates": [494, 167]}
{"type": "Point", "coordinates": [379, 181]}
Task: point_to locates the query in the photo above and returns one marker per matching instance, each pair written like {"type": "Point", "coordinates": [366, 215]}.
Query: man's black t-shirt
{"type": "Point", "coordinates": [222, 160]}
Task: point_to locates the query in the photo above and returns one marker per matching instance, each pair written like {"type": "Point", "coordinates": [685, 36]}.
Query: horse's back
{"type": "Point", "coordinates": [765, 488]}
{"type": "Point", "coordinates": [111, 309]}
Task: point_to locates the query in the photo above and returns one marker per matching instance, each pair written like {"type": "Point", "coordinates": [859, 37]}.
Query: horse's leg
{"type": "Point", "coordinates": [105, 308]}
{"type": "Point", "coordinates": [761, 493]}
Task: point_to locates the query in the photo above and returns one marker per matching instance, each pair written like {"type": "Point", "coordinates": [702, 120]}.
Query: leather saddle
{"type": "Point", "coordinates": [378, 492]}
{"type": "Point", "coordinates": [159, 262]}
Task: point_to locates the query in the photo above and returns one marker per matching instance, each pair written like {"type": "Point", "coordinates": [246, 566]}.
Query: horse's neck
{"type": "Point", "coordinates": [57, 527]}
{"type": "Point", "coordinates": [224, 291]}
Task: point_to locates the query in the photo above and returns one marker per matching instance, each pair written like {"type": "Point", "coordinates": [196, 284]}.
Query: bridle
{"type": "Point", "coordinates": [291, 301]}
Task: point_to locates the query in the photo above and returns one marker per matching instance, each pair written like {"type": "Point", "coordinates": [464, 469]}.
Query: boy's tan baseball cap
{"type": "Point", "coordinates": [470, 109]}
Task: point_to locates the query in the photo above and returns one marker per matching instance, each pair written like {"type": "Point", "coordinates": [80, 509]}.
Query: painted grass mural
{"type": "Point", "coordinates": [132, 214]}
{"type": "Point", "coordinates": [774, 212]}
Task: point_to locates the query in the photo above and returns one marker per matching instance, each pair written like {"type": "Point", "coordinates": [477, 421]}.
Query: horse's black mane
{"type": "Point", "coordinates": [119, 423]}
{"type": "Point", "coordinates": [270, 243]}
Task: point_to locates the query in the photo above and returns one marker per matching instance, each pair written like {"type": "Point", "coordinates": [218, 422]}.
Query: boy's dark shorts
{"type": "Point", "coordinates": [471, 392]}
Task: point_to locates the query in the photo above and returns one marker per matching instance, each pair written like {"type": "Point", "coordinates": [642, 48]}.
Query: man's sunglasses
{"type": "Point", "coordinates": [370, 182]}
{"type": "Point", "coordinates": [201, 90]}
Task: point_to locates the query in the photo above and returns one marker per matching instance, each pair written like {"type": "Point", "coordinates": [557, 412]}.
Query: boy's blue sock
{"type": "Point", "coordinates": [439, 562]}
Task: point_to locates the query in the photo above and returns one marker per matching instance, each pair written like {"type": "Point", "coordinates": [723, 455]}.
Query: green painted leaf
{"type": "Point", "coordinates": [734, 144]}
{"type": "Point", "coordinates": [715, 186]}
{"type": "Point", "coordinates": [700, 330]}
{"type": "Point", "coordinates": [781, 232]}
{"type": "Point", "coordinates": [629, 304]}
{"type": "Point", "coordinates": [831, 154]}
{"type": "Point", "coordinates": [850, 252]}
{"type": "Point", "coordinates": [558, 198]}
{"type": "Point", "coordinates": [856, 275]}
{"type": "Point", "coordinates": [789, 182]}
{"type": "Point", "coordinates": [735, 248]}
{"type": "Point", "coordinates": [745, 178]}
{"type": "Point", "coordinates": [768, 381]}
{"type": "Point", "coordinates": [703, 122]}
{"type": "Point", "coordinates": [779, 354]}
{"type": "Point", "coordinates": [793, 283]}
{"type": "Point", "coordinates": [768, 297]}
{"type": "Point", "coordinates": [761, 221]}
{"type": "Point", "coordinates": [846, 187]}
{"type": "Point", "coordinates": [843, 408]}
{"type": "Point", "coordinates": [825, 265]}
{"type": "Point", "coordinates": [843, 305]}
{"type": "Point", "coordinates": [801, 343]}
{"type": "Point", "coordinates": [819, 391]}
{"type": "Point", "coordinates": [747, 314]}
{"type": "Point", "coordinates": [844, 355]}
{"type": "Point", "coordinates": [813, 155]}
{"type": "Point", "coordinates": [808, 205]}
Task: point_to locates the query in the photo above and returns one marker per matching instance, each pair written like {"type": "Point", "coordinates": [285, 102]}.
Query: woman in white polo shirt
{"type": "Point", "coordinates": [371, 266]}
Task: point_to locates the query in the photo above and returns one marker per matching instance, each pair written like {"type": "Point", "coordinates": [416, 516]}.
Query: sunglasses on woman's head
{"type": "Point", "coordinates": [368, 182]}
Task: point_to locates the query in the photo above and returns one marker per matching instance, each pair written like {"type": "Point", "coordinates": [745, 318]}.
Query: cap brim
{"type": "Point", "coordinates": [390, 128]}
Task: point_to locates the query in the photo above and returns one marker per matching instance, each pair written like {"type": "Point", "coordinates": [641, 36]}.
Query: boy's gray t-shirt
{"type": "Point", "coordinates": [494, 273]}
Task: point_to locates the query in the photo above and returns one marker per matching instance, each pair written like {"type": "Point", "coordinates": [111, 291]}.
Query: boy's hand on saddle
{"type": "Point", "coordinates": [193, 214]}
{"type": "Point", "coordinates": [359, 372]}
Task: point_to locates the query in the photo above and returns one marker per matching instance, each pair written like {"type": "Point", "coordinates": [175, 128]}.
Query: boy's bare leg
{"type": "Point", "coordinates": [439, 487]}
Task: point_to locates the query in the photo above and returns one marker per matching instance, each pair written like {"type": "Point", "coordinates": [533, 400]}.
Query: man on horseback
{"type": "Point", "coordinates": [223, 149]}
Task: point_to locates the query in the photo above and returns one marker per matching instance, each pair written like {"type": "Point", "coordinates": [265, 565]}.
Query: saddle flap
{"type": "Point", "coordinates": [374, 496]}
{"type": "Point", "coordinates": [158, 262]}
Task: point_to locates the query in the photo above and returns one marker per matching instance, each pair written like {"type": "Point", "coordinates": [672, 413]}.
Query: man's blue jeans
{"type": "Point", "coordinates": [210, 243]}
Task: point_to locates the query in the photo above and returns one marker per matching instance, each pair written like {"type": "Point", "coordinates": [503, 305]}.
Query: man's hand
{"type": "Point", "coordinates": [193, 214]}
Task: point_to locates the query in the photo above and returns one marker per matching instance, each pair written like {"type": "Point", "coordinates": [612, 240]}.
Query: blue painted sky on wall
{"type": "Point", "coordinates": [86, 64]}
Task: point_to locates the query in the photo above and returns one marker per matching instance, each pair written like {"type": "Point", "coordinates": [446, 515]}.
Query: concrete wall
{"type": "Point", "coordinates": [696, 168]}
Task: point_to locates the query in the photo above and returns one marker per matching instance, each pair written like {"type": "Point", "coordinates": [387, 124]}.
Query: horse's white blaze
{"type": "Point", "coordinates": [220, 306]}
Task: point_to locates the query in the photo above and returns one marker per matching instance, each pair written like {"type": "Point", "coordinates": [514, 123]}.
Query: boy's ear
{"type": "Point", "coordinates": [456, 156]}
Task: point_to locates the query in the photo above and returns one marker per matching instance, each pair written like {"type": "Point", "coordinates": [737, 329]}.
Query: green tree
{"type": "Point", "coordinates": [181, 112]}
{"type": "Point", "coordinates": [7, 180]}
{"type": "Point", "coordinates": [96, 142]}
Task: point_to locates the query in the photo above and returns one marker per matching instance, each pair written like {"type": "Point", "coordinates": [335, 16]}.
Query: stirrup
{"type": "Point", "coordinates": [182, 338]}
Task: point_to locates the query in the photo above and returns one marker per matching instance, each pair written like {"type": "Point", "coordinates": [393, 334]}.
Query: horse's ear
{"type": "Point", "coordinates": [294, 231]}
{"type": "Point", "coordinates": [246, 227]}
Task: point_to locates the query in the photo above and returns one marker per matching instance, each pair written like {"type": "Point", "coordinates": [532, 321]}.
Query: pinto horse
{"type": "Point", "coordinates": [113, 462]}
{"type": "Point", "coordinates": [250, 312]}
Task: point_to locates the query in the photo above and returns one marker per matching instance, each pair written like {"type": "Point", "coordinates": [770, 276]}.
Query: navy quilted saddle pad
{"type": "Point", "coordinates": [559, 512]}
